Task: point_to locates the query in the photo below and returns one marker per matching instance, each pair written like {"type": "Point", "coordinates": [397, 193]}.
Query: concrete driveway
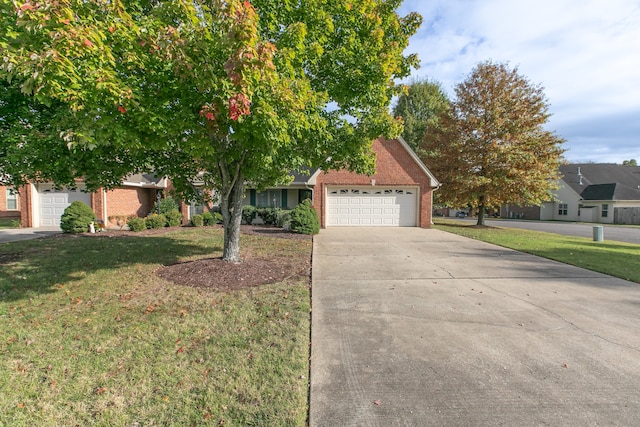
{"type": "Point", "coordinates": [16, 234]}
{"type": "Point", "coordinates": [416, 327]}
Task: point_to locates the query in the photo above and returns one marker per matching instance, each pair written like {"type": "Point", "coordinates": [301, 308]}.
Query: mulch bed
{"type": "Point", "coordinates": [215, 273]}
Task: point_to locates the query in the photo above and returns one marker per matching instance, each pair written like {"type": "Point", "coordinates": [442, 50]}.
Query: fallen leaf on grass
{"type": "Point", "coordinates": [99, 390]}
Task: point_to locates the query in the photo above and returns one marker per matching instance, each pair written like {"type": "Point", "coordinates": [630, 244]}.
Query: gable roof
{"type": "Point", "coordinates": [308, 176]}
{"type": "Point", "coordinates": [603, 181]}
{"type": "Point", "coordinates": [434, 182]}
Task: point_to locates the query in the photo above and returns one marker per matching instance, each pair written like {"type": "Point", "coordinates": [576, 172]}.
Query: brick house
{"type": "Point", "coordinates": [42, 204]}
{"type": "Point", "coordinates": [399, 193]}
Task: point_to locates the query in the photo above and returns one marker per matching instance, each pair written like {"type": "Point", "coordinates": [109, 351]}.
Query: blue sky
{"type": "Point", "coordinates": [585, 53]}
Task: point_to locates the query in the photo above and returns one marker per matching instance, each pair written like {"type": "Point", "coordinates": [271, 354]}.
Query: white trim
{"type": "Point", "coordinates": [35, 206]}
{"type": "Point", "coordinates": [312, 178]}
{"type": "Point", "coordinates": [104, 208]}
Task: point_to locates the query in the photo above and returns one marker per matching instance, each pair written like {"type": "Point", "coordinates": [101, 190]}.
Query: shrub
{"type": "Point", "coordinates": [76, 218]}
{"type": "Point", "coordinates": [120, 220]}
{"type": "Point", "coordinates": [166, 205]}
{"type": "Point", "coordinates": [268, 215]}
{"type": "Point", "coordinates": [248, 214]}
{"type": "Point", "coordinates": [174, 218]}
{"type": "Point", "coordinates": [304, 219]}
{"type": "Point", "coordinates": [136, 224]}
{"type": "Point", "coordinates": [208, 219]}
{"type": "Point", "coordinates": [218, 217]}
{"type": "Point", "coordinates": [197, 220]}
{"type": "Point", "coordinates": [283, 218]}
{"type": "Point", "coordinates": [155, 221]}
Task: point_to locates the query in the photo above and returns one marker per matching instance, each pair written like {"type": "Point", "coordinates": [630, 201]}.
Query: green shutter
{"type": "Point", "coordinates": [252, 197]}
{"type": "Point", "coordinates": [284, 198]}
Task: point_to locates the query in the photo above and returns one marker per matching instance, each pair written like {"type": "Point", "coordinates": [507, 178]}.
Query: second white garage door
{"type": "Point", "coordinates": [371, 206]}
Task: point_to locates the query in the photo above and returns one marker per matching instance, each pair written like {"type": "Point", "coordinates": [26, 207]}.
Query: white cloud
{"type": "Point", "coordinates": [585, 53]}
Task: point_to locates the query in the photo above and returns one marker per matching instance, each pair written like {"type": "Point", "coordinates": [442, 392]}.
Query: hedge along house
{"type": "Point", "coordinates": [42, 204]}
{"type": "Point", "coordinates": [398, 194]}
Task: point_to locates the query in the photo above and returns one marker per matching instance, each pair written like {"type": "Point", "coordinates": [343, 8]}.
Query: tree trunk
{"type": "Point", "coordinates": [481, 207]}
{"type": "Point", "coordinates": [231, 209]}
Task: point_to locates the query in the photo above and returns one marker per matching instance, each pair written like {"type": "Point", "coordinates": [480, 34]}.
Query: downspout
{"type": "Point", "coordinates": [104, 208]}
{"type": "Point", "coordinates": [434, 189]}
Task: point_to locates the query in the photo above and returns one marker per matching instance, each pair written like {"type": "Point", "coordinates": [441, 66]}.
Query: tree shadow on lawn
{"type": "Point", "coordinates": [35, 267]}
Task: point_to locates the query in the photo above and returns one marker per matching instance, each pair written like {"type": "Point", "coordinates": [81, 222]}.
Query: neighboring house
{"type": "Point", "coordinates": [400, 193]}
{"type": "Point", "coordinates": [590, 192]}
{"type": "Point", "coordinates": [42, 204]}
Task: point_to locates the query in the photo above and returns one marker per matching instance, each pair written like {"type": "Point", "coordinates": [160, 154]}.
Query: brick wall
{"type": "Point", "coordinates": [394, 166]}
{"type": "Point", "coordinates": [26, 216]}
{"type": "Point", "coordinates": [129, 201]}
{"type": "Point", "coordinates": [4, 212]}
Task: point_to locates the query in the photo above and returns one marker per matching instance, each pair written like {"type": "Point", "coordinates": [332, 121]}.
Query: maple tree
{"type": "Point", "coordinates": [229, 93]}
{"type": "Point", "coordinates": [419, 108]}
{"type": "Point", "coordinates": [491, 147]}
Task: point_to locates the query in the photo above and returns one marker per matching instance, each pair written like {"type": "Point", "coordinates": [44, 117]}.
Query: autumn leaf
{"type": "Point", "coordinates": [122, 109]}
{"type": "Point", "coordinates": [88, 43]}
{"type": "Point", "coordinates": [99, 390]}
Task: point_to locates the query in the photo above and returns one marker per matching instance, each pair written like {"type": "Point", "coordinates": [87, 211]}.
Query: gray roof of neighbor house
{"type": "Point", "coordinates": [305, 178]}
{"type": "Point", "coordinates": [147, 180]}
{"type": "Point", "coordinates": [603, 181]}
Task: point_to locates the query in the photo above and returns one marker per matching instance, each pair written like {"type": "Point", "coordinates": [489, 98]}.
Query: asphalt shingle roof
{"type": "Point", "coordinates": [603, 181]}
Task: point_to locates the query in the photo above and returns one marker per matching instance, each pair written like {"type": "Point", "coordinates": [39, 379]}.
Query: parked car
{"type": "Point", "coordinates": [461, 214]}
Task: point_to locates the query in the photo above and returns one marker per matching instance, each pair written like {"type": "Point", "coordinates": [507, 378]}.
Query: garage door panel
{"type": "Point", "coordinates": [53, 202]}
{"type": "Point", "coordinates": [371, 207]}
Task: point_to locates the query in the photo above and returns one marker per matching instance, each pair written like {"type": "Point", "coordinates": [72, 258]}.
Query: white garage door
{"type": "Point", "coordinates": [371, 206]}
{"type": "Point", "coordinates": [54, 201]}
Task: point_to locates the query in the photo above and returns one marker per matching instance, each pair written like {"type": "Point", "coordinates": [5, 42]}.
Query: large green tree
{"type": "Point", "coordinates": [223, 91]}
{"type": "Point", "coordinates": [419, 108]}
{"type": "Point", "coordinates": [491, 146]}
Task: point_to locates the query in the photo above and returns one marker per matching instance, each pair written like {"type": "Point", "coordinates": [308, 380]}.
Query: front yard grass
{"type": "Point", "coordinates": [91, 336]}
{"type": "Point", "coordinates": [613, 258]}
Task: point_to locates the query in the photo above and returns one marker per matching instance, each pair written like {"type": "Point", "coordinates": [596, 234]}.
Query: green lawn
{"type": "Point", "coordinates": [614, 258]}
{"type": "Point", "coordinates": [91, 336]}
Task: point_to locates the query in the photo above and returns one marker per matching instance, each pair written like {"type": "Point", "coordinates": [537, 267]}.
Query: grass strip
{"type": "Point", "coordinates": [91, 336]}
{"type": "Point", "coordinates": [613, 258]}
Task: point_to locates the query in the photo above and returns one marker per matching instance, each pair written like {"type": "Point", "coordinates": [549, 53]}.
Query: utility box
{"type": "Point", "coordinates": [598, 233]}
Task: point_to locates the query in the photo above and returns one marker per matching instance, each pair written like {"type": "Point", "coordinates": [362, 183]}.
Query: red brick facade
{"type": "Point", "coordinates": [395, 166]}
{"type": "Point", "coordinates": [123, 201]}
{"type": "Point", "coordinates": [129, 201]}
{"type": "Point", "coordinates": [5, 212]}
